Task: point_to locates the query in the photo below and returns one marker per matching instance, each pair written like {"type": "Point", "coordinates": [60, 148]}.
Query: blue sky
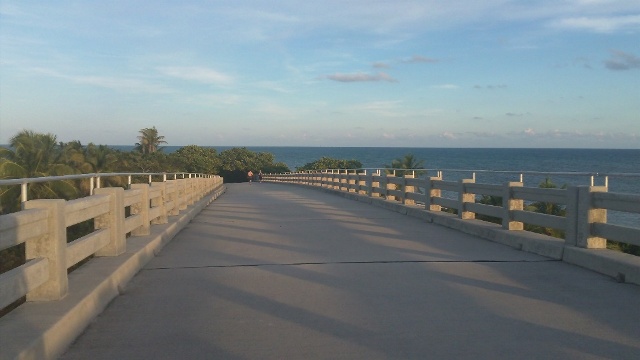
{"type": "Point", "coordinates": [429, 73]}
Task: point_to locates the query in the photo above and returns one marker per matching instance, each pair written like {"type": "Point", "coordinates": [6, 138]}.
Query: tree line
{"type": "Point", "coordinates": [32, 154]}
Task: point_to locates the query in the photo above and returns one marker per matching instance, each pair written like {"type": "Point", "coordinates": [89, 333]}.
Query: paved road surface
{"type": "Point", "coordinates": [271, 271]}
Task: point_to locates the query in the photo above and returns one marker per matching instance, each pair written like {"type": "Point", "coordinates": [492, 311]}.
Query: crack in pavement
{"type": "Point", "coordinates": [351, 262]}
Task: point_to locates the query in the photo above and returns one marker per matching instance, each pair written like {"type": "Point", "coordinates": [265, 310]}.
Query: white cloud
{"type": "Point", "coordinates": [602, 24]}
{"type": "Point", "coordinates": [109, 82]}
{"type": "Point", "coordinates": [378, 108]}
{"type": "Point", "coordinates": [381, 65]}
{"type": "Point", "coordinates": [448, 135]}
{"type": "Point", "coordinates": [490, 87]}
{"type": "Point", "coordinates": [420, 59]}
{"type": "Point", "coordinates": [361, 77]}
{"type": "Point", "coordinates": [196, 73]}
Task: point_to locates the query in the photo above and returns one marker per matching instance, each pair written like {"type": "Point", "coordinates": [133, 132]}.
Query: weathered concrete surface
{"type": "Point", "coordinates": [272, 271]}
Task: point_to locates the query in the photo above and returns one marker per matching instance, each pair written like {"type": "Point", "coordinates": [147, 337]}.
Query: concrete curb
{"type": "Point", "coordinates": [620, 266]}
{"type": "Point", "coordinates": [44, 330]}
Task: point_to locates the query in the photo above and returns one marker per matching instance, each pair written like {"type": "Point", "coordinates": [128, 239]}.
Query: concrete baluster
{"type": "Point", "coordinates": [182, 194]}
{"type": "Point", "coordinates": [389, 186]}
{"type": "Point", "coordinates": [374, 184]}
{"type": "Point", "coordinates": [510, 204]}
{"type": "Point", "coordinates": [587, 215]}
{"type": "Point", "coordinates": [142, 209]}
{"type": "Point", "coordinates": [161, 203]}
{"type": "Point", "coordinates": [114, 221]}
{"type": "Point", "coordinates": [464, 198]}
{"type": "Point", "coordinates": [431, 192]}
{"type": "Point", "coordinates": [408, 189]}
{"type": "Point", "coordinates": [52, 247]}
{"type": "Point", "coordinates": [352, 181]}
{"type": "Point", "coordinates": [362, 183]}
{"type": "Point", "coordinates": [190, 190]}
{"type": "Point", "coordinates": [172, 194]}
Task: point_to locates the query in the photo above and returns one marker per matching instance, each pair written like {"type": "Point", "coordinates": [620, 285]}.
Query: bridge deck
{"type": "Point", "coordinates": [273, 271]}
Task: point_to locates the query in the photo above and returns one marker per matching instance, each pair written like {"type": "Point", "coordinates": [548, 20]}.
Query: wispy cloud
{"type": "Point", "coordinates": [621, 60]}
{"type": "Point", "coordinates": [378, 108]}
{"type": "Point", "coordinates": [490, 87]}
{"type": "Point", "coordinates": [196, 73]}
{"type": "Point", "coordinates": [109, 82]}
{"type": "Point", "coordinates": [415, 59]}
{"type": "Point", "coordinates": [604, 24]}
{"type": "Point", "coordinates": [381, 65]}
{"type": "Point", "coordinates": [361, 77]}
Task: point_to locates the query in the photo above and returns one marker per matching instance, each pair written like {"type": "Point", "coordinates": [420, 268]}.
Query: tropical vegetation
{"type": "Point", "coordinates": [33, 154]}
{"type": "Point", "coordinates": [330, 163]}
{"type": "Point", "coordinates": [409, 161]}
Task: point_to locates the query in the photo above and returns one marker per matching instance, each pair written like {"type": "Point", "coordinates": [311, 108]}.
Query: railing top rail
{"type": "Point", "coordinates": [557, 173]}
{"type": "Point", "coordinates": [84, 176]}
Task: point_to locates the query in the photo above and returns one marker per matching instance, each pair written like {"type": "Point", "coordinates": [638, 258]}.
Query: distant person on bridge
{"type": "Point", "coordinates": [260, 175]}
{"type": "Point", "coordinates": [250, 176]}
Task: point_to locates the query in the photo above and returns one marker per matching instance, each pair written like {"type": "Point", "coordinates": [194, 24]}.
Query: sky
{"type": "Point", "coordinates": [428, 73]}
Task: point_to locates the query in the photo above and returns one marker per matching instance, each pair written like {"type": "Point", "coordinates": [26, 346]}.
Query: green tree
{"type": "Point", "coordinates": [154, 162]}
{"type": "Point", "coordinates": [197, 159]}
{"type": "Point", "coordinates": [325, 163]}
{"type": "Point", "coordinates": [33, 155]}
{"type": "Point", "coordinates": [149, 141]}
{"type": "Point", "coordinates": [236, 162]}
{"type": "Point", "coordinates": [101, 158]}
{"type": "Point", "coordinates": [409, 161]}
{"type": "Point", "coordinates": [73, 154]}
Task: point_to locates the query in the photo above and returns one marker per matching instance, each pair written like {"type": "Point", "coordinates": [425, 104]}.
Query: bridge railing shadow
{"type": "Point", "coordinates": [584, 225]}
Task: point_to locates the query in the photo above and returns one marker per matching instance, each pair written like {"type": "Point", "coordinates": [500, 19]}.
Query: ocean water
{"type": "Point", "coordinates": [604, 162]}
{"type": "Point", "coordinates": [600, 161]}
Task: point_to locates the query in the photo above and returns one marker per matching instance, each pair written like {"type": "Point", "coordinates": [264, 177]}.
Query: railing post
{"type": "Point", "coordinates": [384, 183]}
{"type": "Point", "coordinates": [160, 202]}
{"type": "Point", "coordinates": [362, 183]}
{"type": "Point", "coordinates": [52, 247]}
{"type": "Point", "coordinates": [464, 198]}
{"type": "Point", "coordinates": [588, 215]}
{"type": "Point", "coordinates": [191, 189]}
{"type": "Point", "coordinates": [375, 184]}
{"type": "Point", "coordinates": [431, 192]}
{"type": "Point", "coordinates": [114, 221]}
{"type": "Point", "coordinates": [509, 204]}
{"type": "Point", "coordinates": [171, 188]}
{"type": "Point", "coordinates": [142, 209]}
{"type": "Point", "coordinates": [352, 182]}
{"type": "Point", "coordinates": [182, 194]}
{"type": "Point", "coordinates": [408, 189]}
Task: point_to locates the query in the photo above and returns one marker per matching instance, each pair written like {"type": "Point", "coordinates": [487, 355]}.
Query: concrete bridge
{"type": "Point", "coordinates": [273, 270]}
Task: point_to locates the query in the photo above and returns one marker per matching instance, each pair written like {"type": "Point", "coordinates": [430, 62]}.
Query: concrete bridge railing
{"type": "Point", "coordinates": [42, 226]}
{"type": "Point", "coordinates": [585, 226]}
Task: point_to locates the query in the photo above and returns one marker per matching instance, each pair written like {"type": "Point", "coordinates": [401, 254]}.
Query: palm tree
{"type": "Point", "coordinates": [149, 140]}
{"type": "Point", "coordinates": [409, 161]}
{"type": "Point", "coordinates": [32, 155]}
